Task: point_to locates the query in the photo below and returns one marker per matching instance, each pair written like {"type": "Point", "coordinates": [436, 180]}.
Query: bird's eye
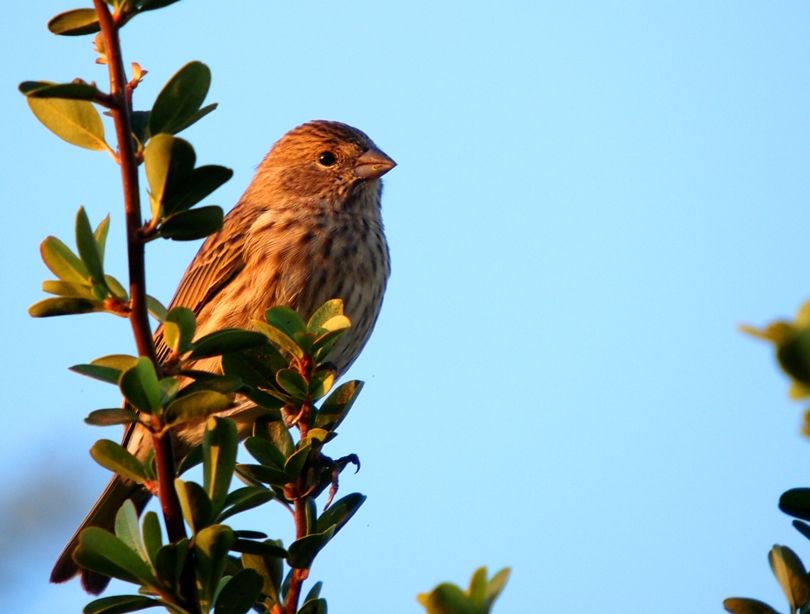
{"type": "Point", "coordinates": [327, 158]}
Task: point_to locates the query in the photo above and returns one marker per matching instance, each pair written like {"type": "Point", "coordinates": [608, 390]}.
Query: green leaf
{"type": "Point", "coordinates": [114, 457]}
{"type": "Point", "coordinates": [277, 432]}
{"type": "Point", "coordinates": [263, 473]}
{"type": "Point", "coordinates": [170, 560]}
{"type": "Point", "coordinates": [265, 452]}
{"type": "Point", "coordinates": [791, 574]}
{"type": "Point", "coordinates": [211, 546]}
{"type": "Point", "coordinates": [337, 405]}
{"type": "Point", "coordinates": [195, 504]}
{"type": "Point", "coordinates": [62, 262]}
{"type": "Point", "coordinates": [339, 513]}
{"type": "Point", "coordinates": [63, 288]}
{"type": "Point", "coordinates": [796, 502]}
{"type": "Point", "coordinates": [447, 599]}
{"type": "Point", "coordinates": [151, 5]}
{"type": "Point", "coordinates": [180, 99]}
{"type": "Point", "coordinates": [63, 306]}
{"type": "Point", "coordinates": [313, 606]}
{"type": "Point", "coordinates": [75, 121]}
{"type": "Point", "coordinates": [88, 247]}
{"type": "Point", "coordinates": [45, 89]}
{"type": "Point", "coordinates": [495, 586]}
{"type": "Point", "coordinates": [256, 367]}
{"type": "Point", "coordinates": [286, 320]}
{"type": "Point", "coordinates": [156, 308]}
{"type": "Point", "coordinates": [116, 288]}
{"type": "Point", "coordinates": [739, 605]}
{"type": "Point", "coordinates": [104, 553]}
{"type": "Point", "coordinates": [109, 417]}
{"type": "Point", "coordinates": [295, 463]}
{"type": "Point", "coordinates": [321, 383]}
{"type": "Point", "coordinates": [100, 235]}
{"type": "Point", "coordinates": [196, 405]}
{"type": "Point", "coordinates": [314, 592]}
{"type": "Point", "coordinates": [293, 383]}
{"type": "Point", "coordinates": [140, 386]}
{"type": "Point", "coordinates": [269, 567]}
{"type": "Point", "coordinates": [225, 341]}
{"type": "Point", "coordinates": [168, 161]}
{"type": "Point", "coordinates": [240, 592]}
{"type": "Point", "coordinates": [120, 604]}
{"type": "Point", "coordinates": [280, 339]}
{"type": "Point", "coordinates": [220, 443]}
{"type": "Point", "coordinates": [330, 309]}
{"type": "Point", "coordinates": [303, 551]}
{"type": "Point", "coordinates": [74, 23]}
{"type": "Point", "coordinates": [201, 182]}
{"type": "Point", "coordinates": [128, 531]}
{"type": "Point", "coordinates": [192, 224]}
{"type": "Point", "coordinates": [107, 368]}
{"type": "Point", "coordinates": [243, 499]}
{"type": "Point", "coordinates": [152, 536]}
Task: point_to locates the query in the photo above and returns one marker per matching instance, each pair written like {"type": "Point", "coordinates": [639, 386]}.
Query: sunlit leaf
{"type": "Point", "coordinates": [114, 457]}
{"type": "Point", "coordinates": [74, 22]}
{"type": "Point", "coordinates": [180, 99]}
{"type": "Point", "coordinates": [75, 121]}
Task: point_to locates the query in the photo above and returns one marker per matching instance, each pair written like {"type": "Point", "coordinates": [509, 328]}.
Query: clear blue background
{"type": "Point", "coordinates": [590, 197]}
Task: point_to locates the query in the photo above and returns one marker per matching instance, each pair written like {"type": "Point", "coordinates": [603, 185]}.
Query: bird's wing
{"type": "Point", "coordinates": [210, 271]}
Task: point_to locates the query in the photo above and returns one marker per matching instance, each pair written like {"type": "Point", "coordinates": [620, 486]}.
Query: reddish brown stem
{"type": "Point", "coordinates": [120, 105]}
{"type": "Point", "coordinates": [298, 575]}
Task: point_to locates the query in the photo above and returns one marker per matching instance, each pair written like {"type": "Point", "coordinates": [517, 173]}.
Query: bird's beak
{"type": "Point", "coordinates": [373, 164]}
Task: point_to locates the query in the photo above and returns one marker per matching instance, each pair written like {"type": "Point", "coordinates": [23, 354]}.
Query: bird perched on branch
{"type": "Point", "coordinates": [307, 229]}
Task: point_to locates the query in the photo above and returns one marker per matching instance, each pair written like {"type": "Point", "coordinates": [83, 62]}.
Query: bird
{"type": "Point", "coordinates": [307, 229]}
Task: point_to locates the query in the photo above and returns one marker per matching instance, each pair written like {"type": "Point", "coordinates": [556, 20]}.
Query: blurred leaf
{"type": "Point", "coordinates": [88, 247]}
{"type": "Point", "coordinates": [152, 537]}
{"type": "Point", "coordinates": [171, 559]}
{"type": "Point", "coordinates": [739, 605]}
{"type": "Point", "coordinates": [794, 356]}
{"type": "Point", "coordinates": [104, 553]}
{"type": "Point", "coordinates": [196, 405]}
{"type": "Point", "coordinates": [226, 340]}
{"type": "Point", "coordinates": [179, 102]}
{"type": "Point", "coordinates": [109, 417]}
{"type": "Point", "coordinates": [140, 386]}
{"type": "Point", "coordinates": [178, 328]}
{"type": "Point", "coordinates": [116, 288]}
{"type": "Point", "coordinates": [339, 513]}
{"type": "Point", "coordinates": [107, 368]}
{"type": "Point", "coordinates": [243, 499]}
{"type": "Point", "coordinates": [128, 531]}
{"type": "Point", "coordinates": [269, 567]}
{"type": "Point", "coordinates": [447, 598]}
{"type": "Point", "coordinates": [63, 288]}
{"type": "Point", "coordinates": [62, 262]}
{"type": "Point", "coordinates": [211, 546]}
{"type": "Point", "coordinates": [279, 338]}
{"type": "Point", "coordinates": [74, 22]}
{"type": "Point", "coordinates": [313, 606]}
{"type": "Point", "coordinates": [321, 383]}
{"type": "Point", "coordinates": [293, 383]}
{"type": "Point", "coordinates": [120, 604]}
{"type": "Point", "coordinates": [114, 457]}
{"type": "Point", "coordinates": [240, 592]}
{"type": "Point", "coordinates": [220, 445]}
{"type": "Point", "coordinates": [337, 405]}
{"type": "Point", "coordinates": [295, 463]}
{"type": "Point", "coordinates": [156, 308]}
{"type": "Point", "coordinates": [314, 592]}
{"type": "Point", "coordinates": [195, 504]}
{"type": "Point", "coordinates": [286, 320]}
{"type": "Point", "coordinates": [791, 574]}
{"type": "Point", "coordinates": [796, 502]}
{"type": "Point", "coordinates": [330, 309]}
{"type": "Point", "coordinates": [278, 433]}
{"type": "Point", "coordinates": [303, 551]}
{"type": "Point", "coordinates": [62, 306]}
{"type": "Point", "coordinates": [255, 367]}
{"type": "Point", "coordinates": [47, 89]}
{"type": "Point", "coordinates": [802, 527]}
{"type": "Point", "coordinates": [263, 473]}
{"type": "Point", "coordinates": [100, 235]}
{"type": "Point", "coordinates": [192, 224]}
{"type": "Point", "coordinates": [265, 452]}
{"type": "Point", "coordinates": [75, 121]}
{"type": "Point", "coordinates": [151, 5]}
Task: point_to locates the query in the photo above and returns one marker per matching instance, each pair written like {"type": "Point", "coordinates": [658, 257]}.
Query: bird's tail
{"type": "Point", "coordinates": [101, 515]}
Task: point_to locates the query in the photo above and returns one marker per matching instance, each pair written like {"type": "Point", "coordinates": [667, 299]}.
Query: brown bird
{"type": "Point", "coordinates": [307, 229]}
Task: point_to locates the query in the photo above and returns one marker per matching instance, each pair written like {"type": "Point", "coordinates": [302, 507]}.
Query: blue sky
{"type": "Point", "coordinates": [590, 197]}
